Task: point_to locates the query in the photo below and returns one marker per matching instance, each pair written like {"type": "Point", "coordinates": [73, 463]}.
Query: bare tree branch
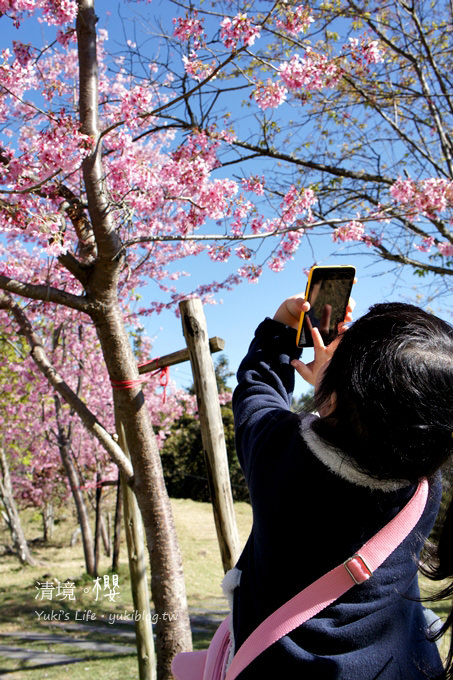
{"type": "Point", "coordinates": [45, 293]}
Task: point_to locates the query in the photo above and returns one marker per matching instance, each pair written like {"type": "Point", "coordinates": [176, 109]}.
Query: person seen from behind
{"type": "Point", "coordinates": [322, 485]}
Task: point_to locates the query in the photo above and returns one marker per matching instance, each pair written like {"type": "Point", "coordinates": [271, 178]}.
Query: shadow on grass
{"type": "Point", "coordinates": [69, 661]}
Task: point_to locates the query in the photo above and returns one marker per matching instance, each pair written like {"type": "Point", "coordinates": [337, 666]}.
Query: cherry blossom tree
{"type": "Point", "coordinates": [352, 102]}
{"type": "Point", "coordinates": [115, 167]}
{"type": "Point", "coordinates": [53, 155]}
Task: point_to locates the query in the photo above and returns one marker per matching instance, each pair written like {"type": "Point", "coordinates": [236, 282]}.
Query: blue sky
{"type": "Point", "coordinates": [239, 311]}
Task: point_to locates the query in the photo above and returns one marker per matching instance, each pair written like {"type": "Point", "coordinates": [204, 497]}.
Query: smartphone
{"type": "Point", "coordinates": [328, 291]}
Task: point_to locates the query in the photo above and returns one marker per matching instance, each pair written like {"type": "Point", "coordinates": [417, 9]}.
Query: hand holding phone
{"type": "Point", "coordinates": [290, 310]}
{"type": "Point", "coordinates": [323, 354]}
{"type": "Point", "coordinates": [328, 292]}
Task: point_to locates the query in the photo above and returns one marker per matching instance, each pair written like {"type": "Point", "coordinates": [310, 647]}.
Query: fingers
{"type": "Point", "coordinates": [318, 342]}
{"type": "Point", "coordinates": [304, 370]}
{"type": "Point", "coordinates": [349, 310]}
{"type": "Point", "coordinates": [332, 346]}
{"type": "Point", "coordinates": [309, 372]}
{"type": "Point", "coordinates": [290, 310]}
{"type": "Point", "coordinates": [343, 326]}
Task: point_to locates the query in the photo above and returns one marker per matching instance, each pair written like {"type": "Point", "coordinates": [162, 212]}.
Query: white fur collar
{"type": "Point", "coordinates": [341, 464]}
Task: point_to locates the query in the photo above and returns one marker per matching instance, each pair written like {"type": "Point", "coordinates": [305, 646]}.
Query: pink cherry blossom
{"type": "Point", "coordinates": [134, 102]}
{"type": "Point", "coordinates": [243, 252]}
{"type": "Point", "coordinates": [276, 264]}
{"type": "Point", "coordinates": [250, 273]}
{"type": "Point", "coordinates": [189, 27]}
{"type": "Point", "coordinates": [269, 95]}
{"type": "Point", "coordinates": [425, 245]}
{"type": "Point", "coordinates": [60, 11]}
{"type": "Point", "coordinates": [296, 202]}
{"type": "Point", "coordinates": [23, 53]}
{"type": "Point", "coordinates": [294, 20]}
{"type": "Point", "coordinates": [197, 68]}
{"type": "Point", "coordinates": [352, 231]}
{"type": "Point", "coordinates": [254, 184]}
{"type": "Point", "coordinates": [365, 51]}
{"type": "Point", "coordinates": [311, 72]}
{"type": "Point", "coordinates": [445, 248]}
{"type": "Point", "coordinates": [54, 12]}
{"type": "Point", "coordinates": [239, 29]}
{"type": "Point", "coordinates": [219, 253]}
{"type": "Point", "coordinates": [427, 197]}
{"type": "Point", "coordinates": [373, 52]}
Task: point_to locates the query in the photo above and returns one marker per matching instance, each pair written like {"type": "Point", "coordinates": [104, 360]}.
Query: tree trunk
{"type": "Point", "coordinates": [117, 527]}
{"type": "Point", "coordinates": [105, 522]}
{"type": "Point", "coordinates": [74, 483]}
{"type": "Point", "coordinates": [82, 512]}
{"type": "Point", "coordinates": [97, 525]}
{"type": "Point", "coordinates": [12, 515]}
{"type": "Point", "coordinates": [48, 517]}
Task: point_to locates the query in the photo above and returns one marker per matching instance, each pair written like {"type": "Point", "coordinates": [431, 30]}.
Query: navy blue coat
{"type": "Point", "coordinates": [311, 511]}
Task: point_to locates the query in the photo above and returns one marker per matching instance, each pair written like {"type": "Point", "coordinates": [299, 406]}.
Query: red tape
{"type": "Point", "coordinates": [127, 384]}
{"type": "Point", "coordinates": [130, 384]}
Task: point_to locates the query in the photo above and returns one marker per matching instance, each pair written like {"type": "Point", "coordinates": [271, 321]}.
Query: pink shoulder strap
{"type": "Point", "coordinates": [332, 585]}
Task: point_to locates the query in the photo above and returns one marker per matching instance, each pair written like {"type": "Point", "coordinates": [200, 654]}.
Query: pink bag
{"type": "Point", "coordinates": [207, 664]}
{"type": "Point", "coordinates": [213, 663]}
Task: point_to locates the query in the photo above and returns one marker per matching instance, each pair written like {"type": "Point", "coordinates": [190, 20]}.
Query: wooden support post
{"type": "Point", "coordinates": [212, 432]}
{"type": "Point", "coordinates": [137, 569]}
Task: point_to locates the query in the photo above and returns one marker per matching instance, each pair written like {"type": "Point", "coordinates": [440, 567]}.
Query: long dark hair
{"type": "Point", "coordinates": [392, 374]}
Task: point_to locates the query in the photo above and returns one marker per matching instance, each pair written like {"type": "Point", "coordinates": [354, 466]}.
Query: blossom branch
{"type": "Point", "coordinates": [32, 189]}
{"type": "Point", "coordinates": [414, 60]}
{"type": "Point", "coordinates": [186, 95]}
{"type": "Point", "coordinates": [243, 237]}
{"type": "Point", "coordinates": [445, 90]}
{"type": "Point", "coordinates": [183, 97]}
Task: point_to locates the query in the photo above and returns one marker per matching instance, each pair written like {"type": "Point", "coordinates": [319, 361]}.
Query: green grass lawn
{"type": "Point", "coordinates": [32, 599]}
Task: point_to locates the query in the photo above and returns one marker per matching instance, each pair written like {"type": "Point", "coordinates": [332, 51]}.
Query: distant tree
{"type": "Point", "coordinates": [304, 402]}
{"type": "Point", "coordinates": [183, 460]}
{"type": "Point", "coordinates": [15, 397]}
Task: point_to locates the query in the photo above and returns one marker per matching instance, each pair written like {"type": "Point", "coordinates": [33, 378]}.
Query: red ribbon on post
{"type": "Point", "coordinates": [163, 381]}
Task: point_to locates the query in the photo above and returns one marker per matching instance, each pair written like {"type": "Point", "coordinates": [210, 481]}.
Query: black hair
{"type": "Point", "coordinates": [392, 374]}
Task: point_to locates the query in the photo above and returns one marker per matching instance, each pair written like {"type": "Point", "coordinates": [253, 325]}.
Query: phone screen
{"type": "Point", "coordinates": [329, 289]}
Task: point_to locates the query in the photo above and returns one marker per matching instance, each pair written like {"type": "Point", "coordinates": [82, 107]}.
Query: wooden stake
{"type": "Point", "coordinates": [212, 432]}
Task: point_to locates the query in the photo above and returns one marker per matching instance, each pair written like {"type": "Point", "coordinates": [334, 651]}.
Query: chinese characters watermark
{"type": "Point", "coordinates": [102, 588]}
